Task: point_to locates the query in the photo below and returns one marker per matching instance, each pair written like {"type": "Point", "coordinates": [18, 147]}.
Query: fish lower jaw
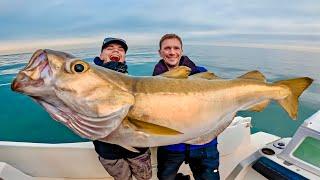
{"type": "Point", "coordinates": [35, 83]}
{"type": "Point", "coordinates": [22, 86]}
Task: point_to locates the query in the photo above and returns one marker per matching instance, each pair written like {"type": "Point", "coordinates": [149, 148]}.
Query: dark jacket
{"type": "Point", "coordinates": [184, 61]}
{"type": "Point", "coordinates": [107, 150]}
{"type": "Point", "coordinates": [161, 68]}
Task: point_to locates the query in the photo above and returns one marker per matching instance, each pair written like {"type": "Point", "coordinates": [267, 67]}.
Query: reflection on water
{"type": "Point", "coordinates": [24, 120]}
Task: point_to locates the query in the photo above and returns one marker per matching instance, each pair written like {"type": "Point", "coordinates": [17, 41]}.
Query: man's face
{"type": "Point", "coordinates": [113, 52]}
{"type": "Point", "coordinates": [171, 52]}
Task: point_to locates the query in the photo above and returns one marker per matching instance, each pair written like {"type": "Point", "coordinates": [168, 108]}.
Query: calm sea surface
{"type": "Point", "coordinates": [24, 120]}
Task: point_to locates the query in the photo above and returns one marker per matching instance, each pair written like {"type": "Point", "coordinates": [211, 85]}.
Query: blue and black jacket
{"type": "Point", "coordinates": [161, 68]}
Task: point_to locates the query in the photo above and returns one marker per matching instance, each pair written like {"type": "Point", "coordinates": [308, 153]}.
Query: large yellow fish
{"type": "Point", "coordinates": [97, 103]}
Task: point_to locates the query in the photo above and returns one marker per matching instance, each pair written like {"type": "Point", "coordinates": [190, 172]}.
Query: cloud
{"type": "Point", "coordinates": [37, 20]}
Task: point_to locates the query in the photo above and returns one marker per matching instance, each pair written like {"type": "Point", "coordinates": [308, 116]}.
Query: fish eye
{"type": "Point", "coordinates": [79, 66]}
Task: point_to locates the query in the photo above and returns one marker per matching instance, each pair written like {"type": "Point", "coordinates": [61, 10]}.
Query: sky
{"type": "Point", "coordinates": [27, 24]}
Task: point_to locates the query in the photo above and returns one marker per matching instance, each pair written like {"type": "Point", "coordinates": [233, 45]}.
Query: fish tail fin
{"type": "Point", "coordinates": [296, 87]}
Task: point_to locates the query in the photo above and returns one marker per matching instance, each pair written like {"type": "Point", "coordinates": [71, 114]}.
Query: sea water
{"type": "Point", "coordinates": [22, 119]}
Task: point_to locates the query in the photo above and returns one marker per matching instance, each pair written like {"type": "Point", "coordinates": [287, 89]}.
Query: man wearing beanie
{"type": "Point", "coordinates": [119, 162]}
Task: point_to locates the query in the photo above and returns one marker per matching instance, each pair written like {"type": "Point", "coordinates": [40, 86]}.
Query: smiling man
{"type": "Point", "coordinates": [119, 162]}
{"type": "Point", "coordinates": [113, 54]}
{"type": "Point", "coordinates": [171, 53]}
{"type": "Point", "coordinates": [203, 159]}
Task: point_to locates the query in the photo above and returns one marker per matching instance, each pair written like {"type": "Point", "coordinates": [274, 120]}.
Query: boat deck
{"type": "Point", "coordinates": [61, 161]}
{"type": "Point", "coordinates": [227, 162]}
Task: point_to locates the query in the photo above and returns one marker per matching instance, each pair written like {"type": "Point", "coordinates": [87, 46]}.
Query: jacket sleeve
{"type": "Point", "coordinates": [159, 69]}
{"type": "Point", "coordinates": [201, 69]}
{"type": "Point", "coordinates": [155, 71]}
{"type": "Point", "coordinates": [97, 61]}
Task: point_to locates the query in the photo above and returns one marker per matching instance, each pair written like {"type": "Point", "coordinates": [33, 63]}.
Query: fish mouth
{"type": "Point", "coordinates": [34, 73]}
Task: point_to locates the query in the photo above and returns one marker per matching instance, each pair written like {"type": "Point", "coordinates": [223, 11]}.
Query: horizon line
{"type": "Point", "coordinates": [27, 46]}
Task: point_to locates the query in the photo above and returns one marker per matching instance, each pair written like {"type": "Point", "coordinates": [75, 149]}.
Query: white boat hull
{"type": "Point", "coordinates": [79, 160]}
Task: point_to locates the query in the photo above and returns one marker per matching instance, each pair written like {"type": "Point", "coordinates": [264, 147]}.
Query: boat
{"type": "Point", "coordinates": [249, 156]}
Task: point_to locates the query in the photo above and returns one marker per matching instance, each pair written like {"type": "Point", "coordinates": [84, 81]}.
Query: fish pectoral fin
{"type": "Point", "coordinates": [150, 128]}
{"type": "Point", "coordinates": [205, 75]}
{"type": "Point", "coordinates": [255, 75]}
{"type": "Point", "coordinates": [180, 72]}
{"type": "Point", "coordinates": [213, 133]}
{"type": "Point", "coordinates": [130, 148]}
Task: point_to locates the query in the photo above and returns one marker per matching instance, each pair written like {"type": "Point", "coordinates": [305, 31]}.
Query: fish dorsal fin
{"type": "Point", "coordinates": [255, 75]}
{"type": "Point", "coordinates": [205, 75]}
{"type": "Point", "coordinates": [151, 128]}
{"type": "Point", "coordinates": [180, 72]}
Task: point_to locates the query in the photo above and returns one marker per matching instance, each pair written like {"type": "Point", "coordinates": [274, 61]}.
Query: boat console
{"type": "Point", "coordinates": [287, 158]}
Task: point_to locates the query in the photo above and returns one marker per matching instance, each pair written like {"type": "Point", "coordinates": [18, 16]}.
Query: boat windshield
{"type": "Point", "coordinates": [309, 151]}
